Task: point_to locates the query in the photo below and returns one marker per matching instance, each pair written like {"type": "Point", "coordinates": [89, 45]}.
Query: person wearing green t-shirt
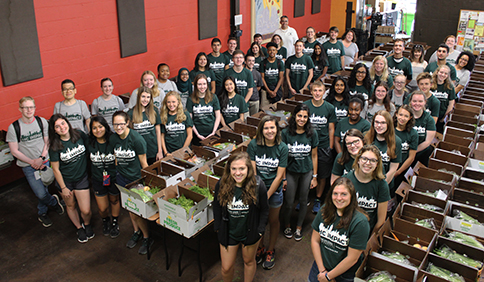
{"type": "Point", "coordinates": [322, 118]}
{"type": "Point", "coordinates": [302, 143]}
{"type": "Point", "coordinates": [397, 63]}
{"type": "Point", "coordinates": [67, 151]}
{"type": "Point", "coordinates": [231, 47]}
{"type": "Point", "coordinates": [379, 71]}
{"type": "Point", "coordinates": [443, 89]}
{"type": "Point", "coordinates": [339, 237]}
{"type": "Point", "coordinates": [256, 52]}
{"type": "Point", "coordinates": [243, 77]}
{"type": "Point", "coordinates": [310, 41]}
{"type": "Point", "coordinates": [335, 51]}
{"type": "Point", "coordinates": [371, 188]}
{"type": "Point", "coordinates": [258, 39]}
{"type": "Point", "coordinates": [442, 54]}
{"type": "Point", "coordinates": [299, 70]}
{"type": "Point", "coordinates": [359, 81]}
{"type": "Point", "coordinates": [268, 155]}
{"type": "Point", "coordinates": [103, 178]}
{"type": "Point", "coordinates": [204, 110]}
{"type": "Point", "coordinates": [320, 62]}
{"type": "Point", "coordinates": [432, 104]}
{"type": "Point", "coordinates": [130, 152]}
{"type": "Point", "coordinates": [272, 72]}
{"type": "Point", "coordinates": [353, 120]}
{"type": "Point", "coordinates": [202, 66]}
{"type": "Point", "coordinates": [176, 124]}
{"type": "Point", "coordinates": [353, 141]}
{"type": "Point", "coordinates": [404, 121]}
{"type": "Point", "coordinates": [145, 119]}
{"type": "Point", "coordinates": [218, 63]}
{"type": "Point", "coordinates": [339, 96]}
{"type": "Point", "coordinates": [232, 105]}
{"type": "Point", "coordinates": [425, 127]}
{"type": "Point", "coordinates": [281, 50]}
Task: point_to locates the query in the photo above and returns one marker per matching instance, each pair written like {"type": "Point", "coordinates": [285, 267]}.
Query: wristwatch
{"type": "Point", "coordinates": [42, 157]}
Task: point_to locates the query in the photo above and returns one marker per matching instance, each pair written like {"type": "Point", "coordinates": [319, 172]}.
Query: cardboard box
{"type": "Point", "coordinates": [468, 108]}
{"type": "Point", "coordinates": [413, 214]}
{"type": "Point", "coordinates": [302, 97]}
{"type": "Point", "coordinates": [181, 157]}
{"type": "Point", "coordinates": [471, 185]}
{"type": "Point", "coordinates": [459, 141]}
{"type": "Point", "coordinates": [245, 129]}
{"type": "Point", "coordinates": [463, 226]}
{"type": "Point", "coordinates": [478, 152]}
{"type": "Point", "coordinates": [468, 198]}
{"type": "Point", "coordinates": [281, 106]}
{"type": "Point", "coordinates": [225, 137]}
{"type": "Point", "coordinates": [219, 166]}
{"type": "Point", "coordinates": [476, 164]}
{"type": "Point", "coordinates": [450, 157]}
{"type": "Point", "coordinates": [450, 147]}
{"type": "Point", "coordinates": [470, 102]}
{"type": "Point", "coordinates": [373, 264]}
{"type": "Point", "coordinates": [442, 165]}
{"type": "Point", "coordinates": [212, 179]}
{"type": "Point", "coordinates": [133, 202]}
{"type": "Point", "coordinates": [176, 218]}
{"type": "Point", "coordinates": [461, 125]}
{"type": "Point", "coordinates": [466, 273]}
{"type": "Point", "coordinates": [415, 197]}
{"type": "Point", "coordinates": [405, 231]}
{"type": "Point", "coordinates": [169, 173]}
{"type": "Point", "coordinates": [5, 154]}
{"type": "Point", "coordinates": [470, 252]}
{"type": "Point", "coordinates": [414, 255]}
{"type": "Point", "coordinates": [459, 132]}
{"type": "Point", "coordinates": [187, 183]}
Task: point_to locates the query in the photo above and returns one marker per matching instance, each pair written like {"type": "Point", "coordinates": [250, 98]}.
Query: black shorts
{"type": "Point", "coordinates": [233, 242]}
{"type": "Point", "coordinates": [325, 162]}
{"type": "Point", "coordinates": [82, 184]}
{"type": "Point", "coordinates": [100, 190]}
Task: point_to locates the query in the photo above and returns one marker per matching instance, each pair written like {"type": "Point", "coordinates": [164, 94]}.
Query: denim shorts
{"type": "Point", "coordinates": [275, 201]}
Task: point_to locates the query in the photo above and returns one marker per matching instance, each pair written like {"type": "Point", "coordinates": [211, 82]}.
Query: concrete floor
{"type": "Point", "coordinates": [31, 252]}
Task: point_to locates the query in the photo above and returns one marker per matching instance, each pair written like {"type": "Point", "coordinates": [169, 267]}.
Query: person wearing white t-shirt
{"type": "Point", "coordinates": [288, 34]}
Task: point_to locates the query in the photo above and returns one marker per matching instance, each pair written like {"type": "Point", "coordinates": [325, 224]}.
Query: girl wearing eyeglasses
{"type": "Point", "coordinates": [359, 81]}
{"type": "Point", "coordinates": [370, 185]}
{"type": "Point", "coordinates": [353, 120]}
{"type": "Point", "coordinates": [353, 141]}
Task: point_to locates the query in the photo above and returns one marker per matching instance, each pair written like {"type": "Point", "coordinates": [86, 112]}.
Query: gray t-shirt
{"type": "Point", "coordinates": [31, 140]}
{"type": "Point", "coordinates": [76, 113]}
{"type": "Point", "coordinates": [397, 101]}
{"type": "Point", "coordinates": [157, 101]}
{"type": "Point", "coordinates": [106, 109]}
{"type": "Point", "coordinates": [257, 83]}
{"type": "Point", "coordinates": [350, 53]}
{"type": "Point", "coordinates": [463, 76]}
{"type": "Point", "coordinates": [372, 110]}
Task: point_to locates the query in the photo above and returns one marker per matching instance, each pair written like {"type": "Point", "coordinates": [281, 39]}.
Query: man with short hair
{"type": "Point", "coordinates": [288, 35]}
{"type": "Point", "coordinates": [335, 51]}
{"type": "Point", "coordinates": [243, 77]}
{"type": "Point", "coordinates": [231, 47]}
{"type": "Point", "coordinates": [397, 64]}
{"type": "Point", "coordinates": [75, 111]}
{"type": "Point", "coordinates": [258, 39]}
{"type": "Point", "coordinates": [272, 72]}
{"type": "Point", "coordinates": [217, 62]}
{"type": "Point", "coordinates": [442, 54]}
{"type": "Point", "coordinates": [254, 100]}
{"type": "Point", "coordinates": [28, 141]}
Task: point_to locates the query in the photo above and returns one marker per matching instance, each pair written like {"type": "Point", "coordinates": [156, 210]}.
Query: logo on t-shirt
{"type": "Point", "coordinates": [237, 205]}
{"type": "Point", "coordinates": [231, 109]}
{"type": "Point", "coordinates": [241, 83]}
{"type": "Point", "coordinates": [145, 125]}
{"type": "Point", "coordinates": [394, 71]}
{"type": "Point", "coordinates": [440, 95]}
{"type": "Point", "coordinates": [72, 153]}
{"type": "Point", "coordinates": [271, 72]}
{"type": "Point", "coordinates": [174, 126]}
{"type": "Point", "coordinates": [384, 157]}
{"type": "Point", "coordinates": [30, 136]}
{"type": "Point", "coordinates": [365, 203]}
{"type": "Point", "coordinates": [420, 129]}
{"type": "Point", "coordinates": [99, 157]}
{"type": "Point", "coordinates": [318, 119]}
{"type": "Point", "coordinates": [341, 112]}
{"type": "Point", "coordinates": [405, 146]}
{"type": "Point", "coordinates": [73, 117]}
{"type": "Point", "coordinates": [299, 148]}
{"type": "Point", "coordinates": [217, 66]}
{"type": "Point", "coordinates": [201, 110]}
{"type": "Point", "coordinates": [333, 52]}
{"type": "Point", "coordinates": [332, 235]}
{"type": "Point", "coordinates": [124, 153]}
{"type": "Point", "coordinates": [298, 68]}
{"type": "Point", "coordinates": [107, 111]}
{"type": "Point", "coordinates": [267, 162]}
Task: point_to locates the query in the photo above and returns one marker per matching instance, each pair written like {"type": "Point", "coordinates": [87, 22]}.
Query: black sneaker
{"type": "Point", "coordinates": [58, 207]}
{"type": "Point", "coordinates": [298, 235]}
{"type": "Point", "coordinates": [89, 231]}
{"type": "Point", "coordinates": [114, 230]}
{"type": "Point", "coordinates": [81, 235]}
{"type": "Point", "coordinates": [134, 239]}
{"type": "Point", "coordinates": [45, 220]}
{"type": "Point", "coordinates": [106, 227]}
{"type": "Point", "coordinates": [261, 255]}
{"type": "Point", "coordinates": [288, 233]}
{"type": "Point", "coordinates": [147, 243]}
{"type": "Point", "coordinates": [270, 260]}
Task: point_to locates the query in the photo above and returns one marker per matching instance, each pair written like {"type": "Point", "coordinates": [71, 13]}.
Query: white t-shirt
{"type": "Point", "coordinates": [289, 38]}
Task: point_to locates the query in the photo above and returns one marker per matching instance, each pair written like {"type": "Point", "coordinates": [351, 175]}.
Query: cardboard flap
{"type": "Point", "coordinates": [459, 141]}
{"type": "Point", "coordinates": [439, 164]}
{"type": "Point", "coordinates": [245, 129]}
{"type": "Point", "coordinates": [471, 185]}
{"type": "Point", "coordinates": [454, 147]}
{"type": "Point", "coordinates": [450, 157]}
{"type": "Point", "coordinates": [468, 198]}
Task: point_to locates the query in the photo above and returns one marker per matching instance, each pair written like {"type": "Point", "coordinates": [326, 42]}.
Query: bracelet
{"type": "Point", "coordinates": [65, 187]}
{"type": "Point", "coordinates": [285, 179]}
{"type": "Point", "coordinates": [326, 275]}
{"type": "Point", "coordinates": [315, 176]}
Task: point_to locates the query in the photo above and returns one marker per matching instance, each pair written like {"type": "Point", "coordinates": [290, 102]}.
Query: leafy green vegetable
{"type": "Point", "coordinates": [452, 255]}
{"type": "Point", "coordinates": [465, 239]}
{"type": "Point", "coordinates": [182, 201]}
{"type": "Point", "coordinates": [428, 222]}
{"type": "Point", "coordinates": [202, 191]}
{"type": "Point", "coordinates": [397, 257]}
{"type": "Point", "coordinates": [428, 207]}
{"type": "Point", "coordinates": [143, 195]}
{"type": "Point", "coordinates": [465, 217]}
{"type": "Point", "coordinates": [382, 276]}
{"type": "Point", "coordinates": [444, 273]}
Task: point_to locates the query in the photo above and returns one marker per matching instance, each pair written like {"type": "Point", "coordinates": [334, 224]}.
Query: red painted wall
{"type": "Point", "coordinates": [79, 40]}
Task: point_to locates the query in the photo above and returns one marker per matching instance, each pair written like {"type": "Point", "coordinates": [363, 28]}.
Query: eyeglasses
{"type": "Point", "coordinates": [28, 108]}
{"type": "Point", "coordinates": [361, 72]}
{"type": "Point", "coordinates": [119, 124]}
{"type": "Point", "coordinates": [354, 143]}
{"type": "Point", "coordinates": [398, 82]}
{"type": "Point", "coordinates": [68, 89]}
{"type": "Point", "coordinates": [366, 160]}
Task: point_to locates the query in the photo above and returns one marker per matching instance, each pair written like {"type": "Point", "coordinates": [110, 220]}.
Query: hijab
{"type": "Point", "coordinates": [183, 86]}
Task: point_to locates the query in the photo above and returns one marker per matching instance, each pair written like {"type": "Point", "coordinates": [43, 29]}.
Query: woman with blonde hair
{"type": "Point", "coordinates": [281, 50]}
{"type": "Point", "coordinates": [176, 124]}
{"type": "Point", "coordinates": [379, 71]}
{"type": "Point", "coordinates": [148, 79]}
{"type": "Point", "coordinates": [443, 89]}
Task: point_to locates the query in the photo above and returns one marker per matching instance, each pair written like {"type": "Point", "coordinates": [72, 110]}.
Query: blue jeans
{"type": "Point", "coordinates": [39, 189]}
{"type": "Point", "coordinates": [345, 277]}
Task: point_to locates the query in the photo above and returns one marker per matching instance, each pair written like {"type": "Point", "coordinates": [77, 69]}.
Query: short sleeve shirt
{"type": "Point", "coordinates": [147, 130]}
{"type": "Point", "coordinates": [271, 71]}
{"type": "Point", "coordinates": [217, 65]}
{"type": "Point", "coordinates": [244, 80]}
{"type": "Point", "coordinates": [31, 140]}
{"type": "Point", "coordinates": [344, 125]}
{"type": "Point", "coordinates": [102, 159]}
{"type": "Point", "coordinates": [403, 67]}
{"type": "Point", "coordinates": [203, 114]}
{"type": "Point", "coordinates": [422, 125]}
{"type": "Point", "coordinates": [299, 70]}
{"type": "Point", "coordinates": [445, 95]}
{"type": "Point", "coordinates": [431, 67]}
{"type": "Point", "coordinates": [320, 118]}
{"type": "Point", "coordinates": [127, 151]}
{"type": "Point", "coordinates": [175, 133]}
{"type": "Point", "coordinates": [76, 113]}
{"type": "Point", "coordinates": [234, 108]}
{"type": "Point", "coordinates": [107, 108]}
{"type": "Point", "coordinates": [300, 147]}
{"type": "Point", "coordinates": [334, 52]}
{"type": "Point", "coordinates": [409, 142]}
{"type": "Point", "coordinates": [72, 159]}
{"type": "Point", "coordinates": [340, 170]}
{"type": "Point", "coordinates": [238, 216]}
{"type": "Point", "coordinates": [385, 158]}
{"type": "Point", "coordinates": [340, 110]}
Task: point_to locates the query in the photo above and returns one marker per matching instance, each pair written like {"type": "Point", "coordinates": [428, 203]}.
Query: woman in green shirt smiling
{"type": "Point", "coordinates": [176, 124]}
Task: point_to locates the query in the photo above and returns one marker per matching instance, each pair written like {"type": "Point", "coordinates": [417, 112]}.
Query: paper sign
{"type": "Point", "coordinates": [479, 31]}
{"type": "Point", "coordinates": [471, 24]}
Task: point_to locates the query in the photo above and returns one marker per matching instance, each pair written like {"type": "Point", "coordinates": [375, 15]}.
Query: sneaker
{"type": "Point", "coordinates": [288, 233]}
{"type": "Point", "coordinates": [45, 220]}
{"type": "Point", "coordinates": [58, 207]}
{"type": "Point", "coordinates": [134, 239]}
{"type": "Point", "coordinates": [81, 235]}
{"type": "Point", "coordinates": [114, 230]}
{"type": "Point", "coordinates": [297, 235]}
{"type": "Point", "coordinates": [89, 231]}
{"type": "Point", "coordinates": [147, 243]}
{"type": "Point", "coordinates": [261, 252]}
{"type": "Point", "coordinates": [107, 227]}
{"type": "Point", "coordinates": [317, 206]}
{"type": "Point", "coordinates": [269, 262]}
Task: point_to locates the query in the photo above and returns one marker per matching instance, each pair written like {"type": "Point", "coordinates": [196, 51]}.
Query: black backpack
{"type": "Point", "coordinates": [16, 126]}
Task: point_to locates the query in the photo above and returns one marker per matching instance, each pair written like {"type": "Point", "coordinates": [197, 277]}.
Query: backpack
{"type": "Point", "coordinates": [16, 126]}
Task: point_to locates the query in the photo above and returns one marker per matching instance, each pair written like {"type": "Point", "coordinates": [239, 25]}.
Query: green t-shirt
{"type": "Point", "coordinates": [300, 148]}
{"type": "Point", "coordinates": [257, 63]}
{"type": "Point", "coordinates": [445, 95]}
{"type": "Point", "coordinates": [309, 47]}
{"type": "Point", "coordinates": [432, 107]}
{"type": "Point", "coordinates": [389, 80]}
{"type": "Point", "coordinates": [403, 67]}
{"type": "Point", "coordinates": [340, 110]}
{"type": "Point", "coordinates": [127, 151]}
{"type": "Point", "coordinates": [299, 70]}
{"type": "Point", "coordinates": [340, 170]}
{"type": "Point", "coordinates": [282, 53]}
{"type": "Point", "coordinates": [238, 216]}
{"type": "Point", "coordinates": [422, 125]}
{"type": "Point", "coordinates": [318, 69]}
{"type": "Point", "coordinates": [271, 71]}
{"type": "Point", "coordinates": [175, 133]}
{"type": "Point", "coordinates": [320, 118]}
{"type": "Point", "coordinates": [148, 132]}
{"type": "Point", "coordinates": [344, 125]}
{"type": "Point", "coordinates": [385, 158]}
{"type": "Point", "coordinates": [234, 108]}
{"type": "Point", "coordinates": [334, 242]}
{"type": "Point", "coordinates": [203, 114]}
{"type": "Point", "coordinates": [431, 67]}
{"type": "Point", "coordinates": [409, 142]}
{"type": "Point", "coordinates": [244, 80]}
{"type": "Point", "coordinates": [334, 52]}
{"type": "Point", "coordinates": [370, 195]}
{"type": "Point", "coordinates": [229, 56]}
{"type": "Point", "coordinates": [360, 89]}
{"type": "Point", "coordinates": [217, 65]}
{"type": "Point", "coordinates": [262, 49]}
{"type": "Point", "coordinates": [268, 160]}
{"type": "Point", "coordinates": [72, 158]}
{"type": "Point", "coordinates": [102, 159]}
{"type": "Point", "coordinates": [209, 73]}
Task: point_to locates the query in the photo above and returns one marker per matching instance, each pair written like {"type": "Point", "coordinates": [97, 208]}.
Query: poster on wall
{"type": "Point", "coordinates": [470, 31]}
{"type": "Point", "coordinates": [265, 17]}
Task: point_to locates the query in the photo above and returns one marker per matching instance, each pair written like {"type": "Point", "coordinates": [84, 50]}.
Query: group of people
{"type": "Point", "coordinates": [359, 137]}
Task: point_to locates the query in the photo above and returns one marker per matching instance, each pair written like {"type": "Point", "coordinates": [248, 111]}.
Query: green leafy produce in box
{"type": "Point", "coordinates": [202, 191]}
{"type": "Point", "coordinates": [452, 255]}
{"type": "Point", "coordinates": [402, 259]}
{"type": "Point", "coordinates": [182, 201]}
{"type": "Point", "coordinates": [465, 217]}
{"type": "Point", "coordinates": [381, 276]}
{"type": "Point", "coordinates": [145, 192]}
{"type": "Point", "coordinates": [465, 239]}
{"type": "Point", "coordinates": [444, 273]}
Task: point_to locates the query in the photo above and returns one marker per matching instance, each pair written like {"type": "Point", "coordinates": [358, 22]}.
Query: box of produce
{"type": "Point", "coordinates": [420, 216]}
{"type": "Point", "coordinates": [448, 270]}
{"type": "Point", "coordinates": [451, 147]}
{"type": "Point", "coordinates": [465, 218]}
{"type": "Point", "coordinates": [409, 233]}
{"type": "Point", "coordinates": [471, 185]}
{"type": "Point", "coordinates": [208, 172]}
{"type": "Point", "coordinates": [183, 211]}
{"type": "Point", "coordinates": [219, 166]}
{"type": "Point", "coordinates": [170, 173]}
{"type": "Point", "coordinates": [425, 201]}
{"type": "Point", "coordinates": [466, 142]}
{"type": "Point", "coordinates": [401, 252]}
{"type": "Point", "coordinates": [450, 157]}
{"type": "Point", "coordinates": [459, 132]}
{"type": "Point", "coordinates": [5, 154]}
{"type": "Point", "coordinates": [140, 197]}
{"type": "Point", "coordinates": [245, 129]}
{"type": "Point", "coordinates": [444, 166]}
{"type": "Point", "coordinates": [194, 158]}
{"type": "Point", "coordinates": [468, 198]}
{"type": "Point", "coordinates": [227, 142]}
{"type": "Point", "coordinates": [378, 269]}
